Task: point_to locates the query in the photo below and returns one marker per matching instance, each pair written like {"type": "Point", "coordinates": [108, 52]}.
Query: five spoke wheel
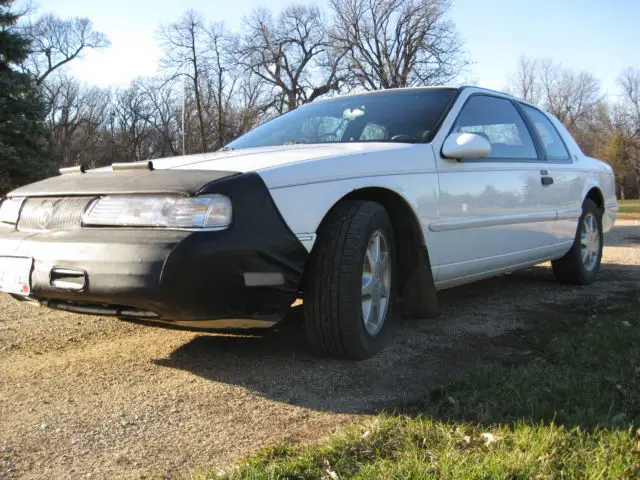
{"type": "Point", "coordinates": [376, 282]}
{"type": "Point", "coordinates": [589, 241]}
{"type": "Point", "coordinates": [581, 263]}
{"type": "Point", "coordinates": [350, 292]}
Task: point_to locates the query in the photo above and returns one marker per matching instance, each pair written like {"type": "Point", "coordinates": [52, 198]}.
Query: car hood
{"type": "Point", "coordinates": [196, 171]}
{"type": "Point", "coordinates": [263, 158]}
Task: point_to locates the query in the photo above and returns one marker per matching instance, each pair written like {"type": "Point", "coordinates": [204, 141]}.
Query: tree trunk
{"type": "Point", "coordinates": [292, 101]}
{"type": "Point", "coordinates": [203, 140]}
{"type": "Point", "coordinates": [196, 88]}
{"type": "Point", "coordinates": [220, 112]}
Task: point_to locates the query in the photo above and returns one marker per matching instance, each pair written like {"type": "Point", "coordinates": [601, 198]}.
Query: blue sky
{"type": "Point", "coordinates": [601, 36]}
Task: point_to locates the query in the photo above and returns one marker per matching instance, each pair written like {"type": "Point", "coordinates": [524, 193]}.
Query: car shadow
{"type": "Point", "coordinates": [474, 323]}
{"type": "Point", "coordinates": [623, 236]}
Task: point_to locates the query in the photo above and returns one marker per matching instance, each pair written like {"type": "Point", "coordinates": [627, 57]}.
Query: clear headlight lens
{"type": "Point", "coordinates": [10, 210]}
{"type": "Point", "coordinates": [207, 211]}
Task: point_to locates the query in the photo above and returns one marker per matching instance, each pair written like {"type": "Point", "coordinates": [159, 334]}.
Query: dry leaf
{"type": "Point", "coordinates": [547, 456]}
{"type": "Point", "coordinates": [327, 469]}
{"type": "Point", "coordinates": [489, 438]}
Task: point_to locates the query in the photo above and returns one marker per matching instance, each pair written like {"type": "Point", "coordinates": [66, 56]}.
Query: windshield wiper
{"type": "Point", "coordinates": [225, 149]}
{"type": "Point", "coordinates": [405, 139]}
{"type": "Point", "coordinates": [293, 142]}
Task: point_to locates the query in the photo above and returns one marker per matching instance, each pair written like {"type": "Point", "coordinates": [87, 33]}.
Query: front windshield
{"type": "Point", "coordinates": [407, 116]}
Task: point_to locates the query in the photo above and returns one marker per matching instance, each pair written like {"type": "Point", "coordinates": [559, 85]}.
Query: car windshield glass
{"type": "Point", "coordinates": [408, 116]}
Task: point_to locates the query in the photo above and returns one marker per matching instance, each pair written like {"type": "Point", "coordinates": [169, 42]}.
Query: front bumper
{"type": "Point", "coordinates": [171, 276]}
{"type": "Point", "coordinates": [252, 270]}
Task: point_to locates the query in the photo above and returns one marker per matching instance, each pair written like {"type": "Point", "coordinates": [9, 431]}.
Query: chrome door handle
{"type": "Point", "coordinates": [546, 181]}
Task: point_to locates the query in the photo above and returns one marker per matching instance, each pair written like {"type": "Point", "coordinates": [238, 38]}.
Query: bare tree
{"type": "Point", "coordinates": [291, 54]}
{"type": "Point", "coordinates": [162, 115]}
{"type": "Point", "coordinates": [132, 112]}
{"type": "Point", "coordinates": [76, 118]}
{"type": "Point", "coordinates": [397, 43]}
{"type": "Point", "coordinates": [525, 82]}
{"type": "Point", "coordinates": [573, 97]}
{"type": "Point", "coordinates": [55, 42]}
{"type": "Point", "coordinates": [594, 129]}
{"type": "Point", "coordinates": [186, 54]}
{"type": "Point", "coordinates": [627, 121]}
{"type": "Point", "coordinates": [222, 78]}
{"type": "Point", "coordinates": [248, 108]}
{"type": "Point", "coordinates": [629, 83]}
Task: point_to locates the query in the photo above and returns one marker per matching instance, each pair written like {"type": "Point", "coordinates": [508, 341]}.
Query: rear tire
{"type": "Point", "coordinates": [581, 264]}
{"type": "Point", "coordinates": [345, 282]}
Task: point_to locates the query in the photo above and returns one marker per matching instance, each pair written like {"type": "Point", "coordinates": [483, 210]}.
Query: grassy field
{"type": "Point", "coordinates": [630, 206]}
{"type": "Point", "coordinates": [565, 404]}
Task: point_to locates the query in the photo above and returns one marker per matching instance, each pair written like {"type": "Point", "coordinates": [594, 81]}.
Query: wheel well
{"type": "Point", "coordinates": [595, 195]}
{"type": "Point", "coordinates": [415, 285]}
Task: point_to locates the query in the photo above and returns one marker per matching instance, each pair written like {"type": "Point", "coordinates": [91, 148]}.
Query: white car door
{"type": "Point", "coordinates": [493, 211]}
{"type": "Point", "coordinates": [567, 188]}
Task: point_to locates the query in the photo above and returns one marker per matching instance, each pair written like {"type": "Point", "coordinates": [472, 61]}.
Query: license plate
{"type": "Point", "coordinates": [15, 275]}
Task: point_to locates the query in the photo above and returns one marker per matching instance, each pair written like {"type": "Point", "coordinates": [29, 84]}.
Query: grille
{"type": "Point", "coordinates": [43, 214]}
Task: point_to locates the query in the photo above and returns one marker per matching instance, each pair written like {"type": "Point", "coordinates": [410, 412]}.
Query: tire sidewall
{"type": "Point", "coordinates": [589, 207]}
{"type": "Point", "coordinates": [366, 343]}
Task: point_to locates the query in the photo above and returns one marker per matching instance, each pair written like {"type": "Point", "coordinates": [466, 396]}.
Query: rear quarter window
{"type": "Point", "coordinates": [550, 137]}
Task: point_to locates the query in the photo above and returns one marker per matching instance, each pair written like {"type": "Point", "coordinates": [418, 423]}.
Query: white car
{"type": "Point", "coordinates": [359, 205]}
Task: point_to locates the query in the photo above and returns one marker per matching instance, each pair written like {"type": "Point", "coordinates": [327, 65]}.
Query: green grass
{"type": "Point", "coordinates": [568, 407]}
{"type": "Point", "coordinates": [629, 206]}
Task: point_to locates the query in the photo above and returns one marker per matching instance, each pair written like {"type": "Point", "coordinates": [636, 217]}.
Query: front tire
{"type": "Point", "coordinates": [581, 264]}
{"type": "Point", "coordinates": [349, 294]}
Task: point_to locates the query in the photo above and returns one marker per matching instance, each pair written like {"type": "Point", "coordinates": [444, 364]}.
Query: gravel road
{"type": "Point", "coordinates": [91, 397]}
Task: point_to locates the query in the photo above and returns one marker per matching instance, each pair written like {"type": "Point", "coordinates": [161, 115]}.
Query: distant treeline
{"type": "Point", "coordinates": [215, 84]}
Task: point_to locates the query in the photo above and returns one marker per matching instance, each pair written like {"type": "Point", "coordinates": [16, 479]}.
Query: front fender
{"type": "Point", "coordinates": [303, 207]}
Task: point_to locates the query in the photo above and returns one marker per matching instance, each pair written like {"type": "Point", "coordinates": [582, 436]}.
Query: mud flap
{"type": "Point", "coordinates": [418, 297]}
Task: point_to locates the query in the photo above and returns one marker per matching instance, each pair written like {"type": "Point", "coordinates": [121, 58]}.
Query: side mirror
{"type": "Point", "coordinates": [459, 146]}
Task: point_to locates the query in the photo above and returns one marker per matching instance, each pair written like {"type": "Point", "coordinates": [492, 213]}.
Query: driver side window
{"type": "Point", "coordinates": [323, 129]}
{"type": "Point", "coordinates": [497, 120]}
{"type": "Point", "coordinates": [372, 132]}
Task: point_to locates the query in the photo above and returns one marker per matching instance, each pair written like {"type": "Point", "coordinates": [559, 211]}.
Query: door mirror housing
{"type": "Point", "coordinates": [459, 146]}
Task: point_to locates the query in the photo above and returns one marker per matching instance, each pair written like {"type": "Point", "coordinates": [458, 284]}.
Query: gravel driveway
{"type": "Point", "coordinates": [98, 398]}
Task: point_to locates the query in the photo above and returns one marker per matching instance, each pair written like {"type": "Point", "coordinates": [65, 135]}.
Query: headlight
{"type": "Point", "coordinates": [207, 211]}
{"type": "Point", "coordinates": [10, 210]}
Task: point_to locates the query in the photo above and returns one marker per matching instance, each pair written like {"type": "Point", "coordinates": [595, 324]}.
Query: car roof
{"type": "Point", "coordinates": [473, 88]}
{"type": "Point", "coordinates": [440, 87]}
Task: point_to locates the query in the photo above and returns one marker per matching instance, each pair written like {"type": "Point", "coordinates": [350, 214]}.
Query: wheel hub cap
{"type": "Point", "coordinates": [589, 241]}
{"type": "Point", "coordinates": [376, 282]}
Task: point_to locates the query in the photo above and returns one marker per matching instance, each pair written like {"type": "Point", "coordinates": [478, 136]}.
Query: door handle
{"type": "Point", "coordinates": [546, 181]}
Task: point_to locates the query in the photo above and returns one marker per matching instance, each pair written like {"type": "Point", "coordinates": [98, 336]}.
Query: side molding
{"type": "Point", "coordinates": [447, 225]}
{"type": "Point", "coordinates": [307, 239]}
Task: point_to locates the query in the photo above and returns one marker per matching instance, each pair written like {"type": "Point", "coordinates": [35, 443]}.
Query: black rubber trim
{"type": "Point", "coordinates": [258, 241]}
{"type": "Point", "coordinates": [443, 116]}
{"type": "Point", "coordinates": [533, 132]}
{"type": "Point", "coordinates": [182, 182]}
